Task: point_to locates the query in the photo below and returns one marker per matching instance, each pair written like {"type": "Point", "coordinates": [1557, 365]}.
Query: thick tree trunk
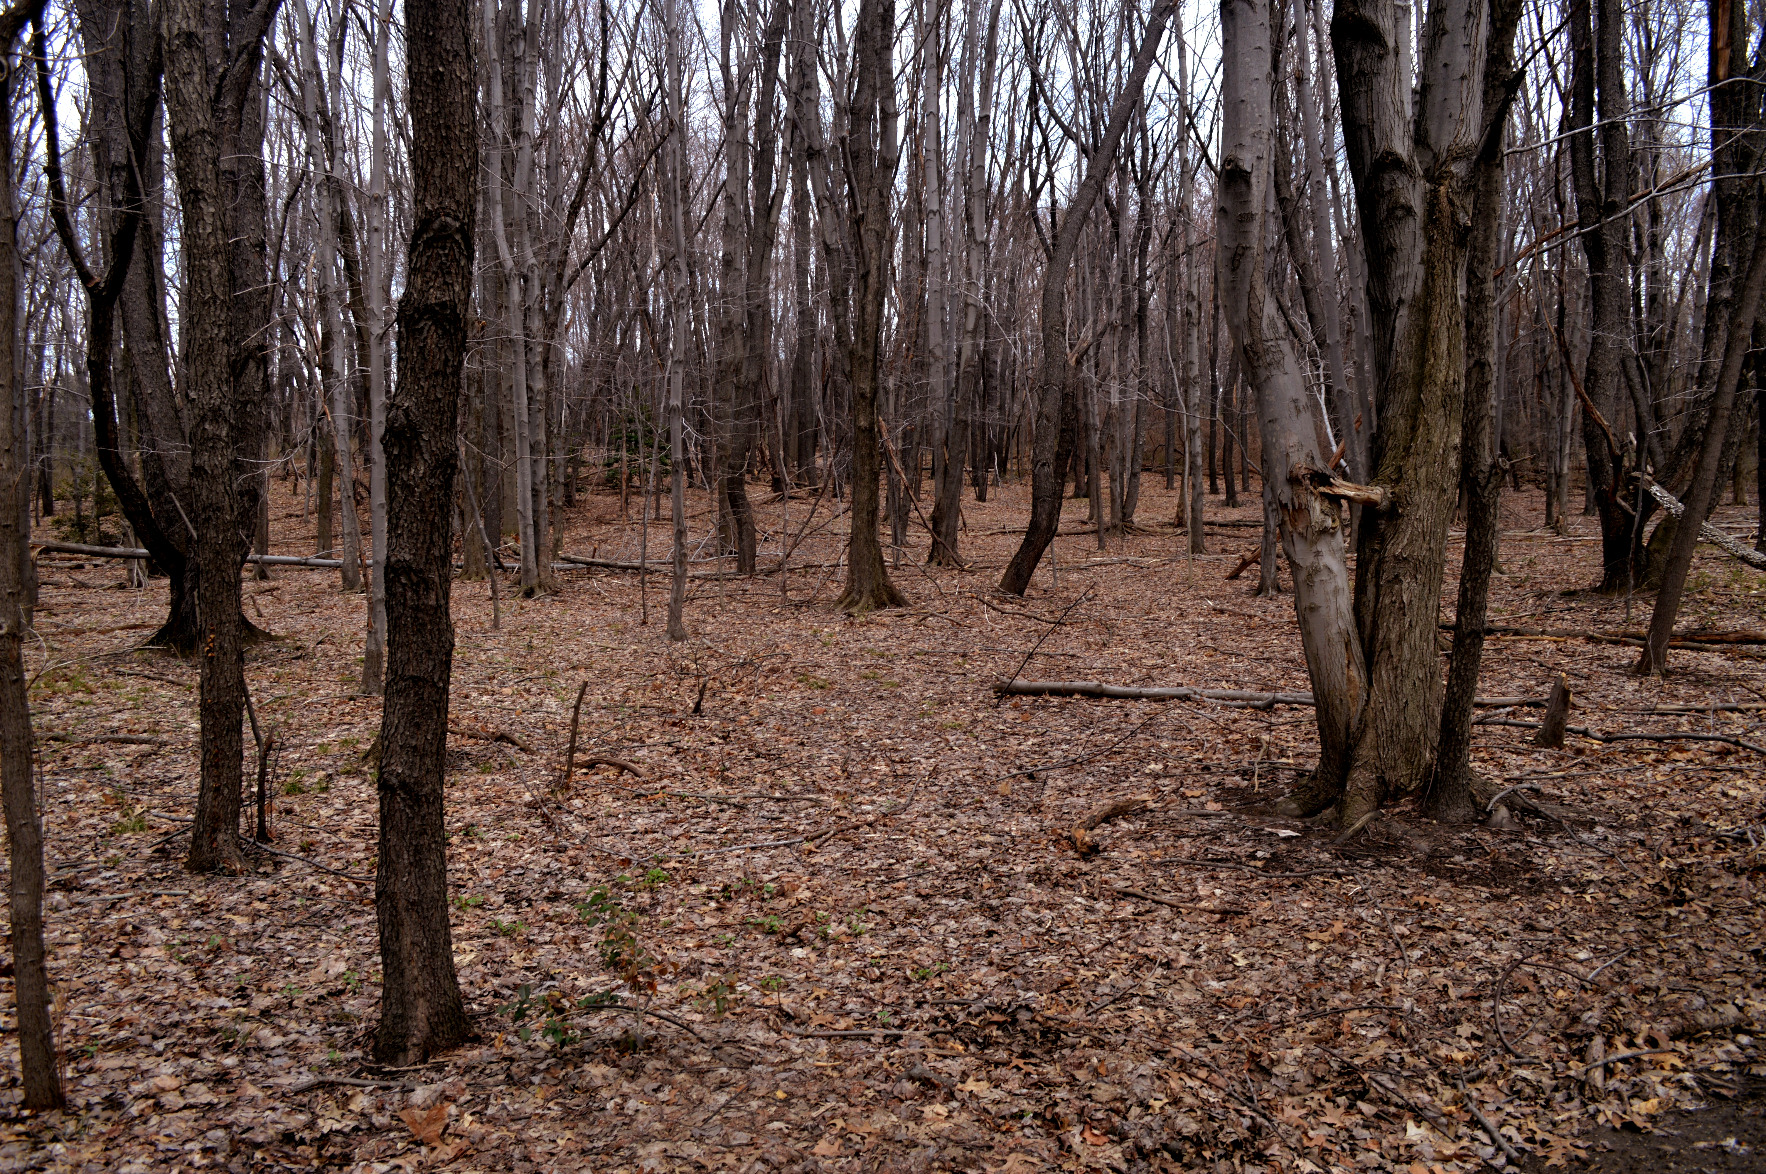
{"type": "Point", "coordinates": [207, 105]}
{"type": "Point", "coordinates": [872, 151]}
{"type": "Point", "coordinates": [1407, 166]}
{"type": "Point", "coordinates": [1294, 454]}
{"type": "Point", "coordinates": [421, 1008]}
{"type": "Point", "coordinates": [1597, 88]}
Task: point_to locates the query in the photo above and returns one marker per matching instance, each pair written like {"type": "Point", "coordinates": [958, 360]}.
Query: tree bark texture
{"type": "Point", "coordinates": [421, 1008]}
{"type": "Point", "coordinates": [872, 149]}
{"type": "Point", "coordinates": [213, 116]}
{"type": "Point", "coordinates": [40, 1075]}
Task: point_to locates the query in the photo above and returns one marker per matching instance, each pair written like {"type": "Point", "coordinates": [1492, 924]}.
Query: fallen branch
{"type": "Point", "coordinates": [85, 739]}
{"type": "Point", "coordinates": [622, 764]}
{"type": "Point", "coordinates": [1138, 895]}
{"type": "Point", "coordinates": [490, 735]}
{"type": "Point", "coordinates": [1249, 560]}
{"type": "Point", "coordinates": [1018, 687]}
{"type": "Point", "coordinates": [1637, 736]}
{"type": "Point", "coordinates": [135, 552]}
{"type": "Point", "coordinates": [1702, 640]}
{"type": "Point", "coordinates": [1114, 809]}
{"type": "Point", "coordinates": [1501, 1141]}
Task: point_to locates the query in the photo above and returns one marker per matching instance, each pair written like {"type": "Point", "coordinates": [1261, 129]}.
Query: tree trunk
{"type": "Point", "coordinates": [374, 658]}
{"type": "Point", "coordinates": [1597, 88]}
{"type": "Point", "coordinates": [1294, 457]}
{"type": "Point", "coordinates": [1449, 797]}
{"type": "Point", "coordinates": [1707, 473]}
{"type": "Point", "coordinates": [674, 197]}
{"type": "Point", "coordinates": [872, 151]}
{"type": "Point", "coordinates": [40, 1074]}
{"type": "Point", "coordinates": [210, 111]}
{"type": "Point", "coordinates": [421, 1008]}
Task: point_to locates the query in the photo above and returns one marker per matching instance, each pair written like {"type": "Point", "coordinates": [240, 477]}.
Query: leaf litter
{"type": "Point", "coordinates": [852, 918]}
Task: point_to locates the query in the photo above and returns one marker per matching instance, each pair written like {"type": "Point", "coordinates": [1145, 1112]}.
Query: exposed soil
{"type": "Point", "coordinates": [842, 922]}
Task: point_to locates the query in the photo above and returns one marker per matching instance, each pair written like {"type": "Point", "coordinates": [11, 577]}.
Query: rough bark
{"type": "Point", "coordinates": [1449, 796]}
{"type": "Point", "coordinates": [1707, 472]}
{"type": "Point", "coordinates": [1294, 455]}
{"type": "Point", "coordinates": [421, 1008]}
{"type": "Point", "coordinates": [1601, 179]}
{"type": "Point", "coordinates": [211, 102]}
{"type": "Point", "coordinates": [872, 150]}
{"type": "Point", "coordinates": [39, 1072]}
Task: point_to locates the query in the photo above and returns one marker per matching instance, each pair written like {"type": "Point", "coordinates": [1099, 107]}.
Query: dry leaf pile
{"type": "Point", "coordinates": [850, 911]}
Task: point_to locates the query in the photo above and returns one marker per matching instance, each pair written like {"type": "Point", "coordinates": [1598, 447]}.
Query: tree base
{"type": "Point", "coordinates": [858, 599]}
{"type": "Point", "coordinates": [1450, 796]}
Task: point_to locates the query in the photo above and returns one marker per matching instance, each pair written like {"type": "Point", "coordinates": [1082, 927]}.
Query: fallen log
{"type": "Point", "coordinates": [135, 552]}
{"type": "Point", "coordinates": [1249, 560]}
{"type": "Point", "coordinates": [1707, 532]}
{"type": "Point", "coordinates": [1697, 640]}
{"type": "Point", "coordinates": [1018, 687]}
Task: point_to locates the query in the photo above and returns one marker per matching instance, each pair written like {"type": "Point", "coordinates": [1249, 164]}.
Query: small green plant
{"type": "Point", "coordinates": [718, 996]}
{"type": "Point", "coordinates": [772, 982]}
{"type": "Point", "coordinates": [653, 878]}
{"type": "Point", "coordinates": [352, 981]}
{"type": "Point", "coordinates": [294, 787]}
{"type": "Point", "coordinates": [768, 924]}
{"type": "Point", "coordinates": [550, 1009]}
{"type": "Point", "coordinates": [507, 929]}
{"type": "Point", "coordinates": [885, 1018]}
{"type": "Point", "coordinates": [923, 973]}
{"type": "Point", "coordinates": [812, 682]}
{"type": "Point", "coordinates": [468, 902]}
{"type": "Point", "coordinates": [856, 925]}
{"type": "Point", "coordinates": [132, 823]}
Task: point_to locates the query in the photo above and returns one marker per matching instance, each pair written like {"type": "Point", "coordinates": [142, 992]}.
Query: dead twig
{"type": "Point", "coordinates": [576, 713]}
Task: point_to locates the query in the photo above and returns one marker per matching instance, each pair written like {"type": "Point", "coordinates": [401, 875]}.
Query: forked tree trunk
{"type": "Point", "coordinates": [208, 112]}
{"type": "Point", "coordinates": [421, 1010]}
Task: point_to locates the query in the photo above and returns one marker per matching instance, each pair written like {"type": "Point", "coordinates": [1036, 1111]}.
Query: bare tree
{"type": "Point", "coordinates": [1053, 393]}
{"type": "Point", "coordinates": [40, 1073]}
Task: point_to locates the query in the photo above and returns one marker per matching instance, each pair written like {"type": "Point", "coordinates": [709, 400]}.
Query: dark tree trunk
{"type": "Point", "coordinates": [421, 1009]}
{"type": "Point", "coordinates": [1449, 796]}
{"type": "Point", "coordinates": [1597, 89]}
{"type": "Point", "coordinates": [872, 148]}
{"type": "Point", "coordinates": [206, 107]}
{"type": "Point", "coordinates": [40, 1074]}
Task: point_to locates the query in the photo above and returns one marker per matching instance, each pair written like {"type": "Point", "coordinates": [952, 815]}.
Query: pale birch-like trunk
{"type": "Point", "coordinates": [1294, 456]}
{"type": "Point", "coordinates": [498, 115]}
{"type": "Point", "coordinates": [325, 196]}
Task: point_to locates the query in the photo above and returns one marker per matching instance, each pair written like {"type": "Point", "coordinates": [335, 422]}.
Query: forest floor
{"type": "Point", "coordinates": [850, 873]}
